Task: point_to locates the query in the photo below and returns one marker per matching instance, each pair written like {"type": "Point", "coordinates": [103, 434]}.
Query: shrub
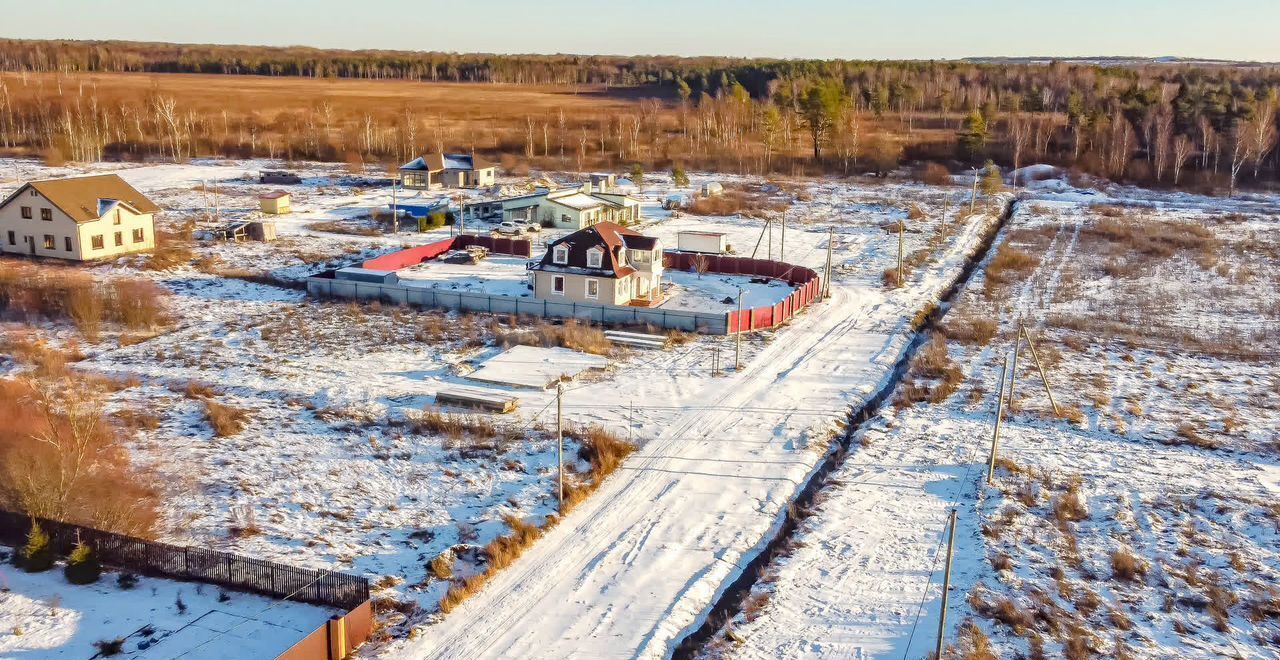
{"type": "Point", "coordinates": [110, 647]}
{"type": "Point", "coordinates": [934, 174]}
{"type": "Point", "coordinates": [82, 566]}
{"type": "Point", "coordinates": [126, 581]}
{"type": "Point", "coordinates": [173, 247]}
{"type": "Point", "coordinates": [968, 330]}
{"type": "Point", "coordinates": [37, 555]}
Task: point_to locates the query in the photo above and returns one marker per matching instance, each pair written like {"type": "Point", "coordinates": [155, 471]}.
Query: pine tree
{"type": "Point", "coordinates": [82, 566]}
{"type": "Point", "coordinates": [637, 176]}
{"type": "Point", "coordinates": [37, 555]}
{"type": "Point", "coordinates": [678, 176]}
{"type": "Point", "coordinates": [972, 137]}
{"type": "Point", "coordinates": [991, 182]}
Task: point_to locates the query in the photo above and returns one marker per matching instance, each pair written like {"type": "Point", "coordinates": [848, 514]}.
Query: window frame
{"type": "Point", "coordinates": [560, 255]}
{"type": "Point", "coordinates": [557, 285]}
{"type": "Point", "coordinates": [50, 242]}
{"type": "Point", "coordinates": [119, 239]}
{"type": "Point", "coordinates": [139, 235]}
{"type": "Point", "coordinates": [66, 244]}
{"type": "Point", "coordinates": [27, 213]}
{"type": "Point", "coordinates": [96, 242]}
{"type": "Point", "coordinates": [587, 285]}
{"type": "Point", "coordinates": [595, 255]}
{"type": "Point", "coordinates": [46, 215]}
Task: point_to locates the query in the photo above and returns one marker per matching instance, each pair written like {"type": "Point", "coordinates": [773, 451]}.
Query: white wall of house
{"type": "Point", "coordinates": [61, 237]}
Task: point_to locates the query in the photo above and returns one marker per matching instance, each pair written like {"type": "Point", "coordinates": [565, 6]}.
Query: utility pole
{"type": "Point", "coordinates": [946, 586]}
{"type": "Point", "coordinates": [737, 344]}
{"type": "Point", "coordinates": [826, 282]}
{"type": "Point", "coordinates": [902, 226]}
{"type": "Point", "coordinates": [782, 250]}
{"type": "Point", "coordinates": [395, 213]}
{"type": "Point", "coordinates": [631, 414]}
{"type": "Point", "coordinates": [995, 436]}
{"type": "Point", "coordinates": [770, 225]}
{"type": "Point", "coordinates": [1039, 367]}
{"type": "Point", "coordinates": [945, 198]}
{"type": "Point", "coordinates": [462, 221]}
{"type": "Point", "coordinates": [1013, 369]}
{"type": "Point", "coordinates": [560, 446]}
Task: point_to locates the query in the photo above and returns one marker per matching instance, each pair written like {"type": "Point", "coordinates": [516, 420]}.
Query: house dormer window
{"type": "Point", "coordinates": [594, 258]}
{"type": "Point", "coordinates": [560, 255]}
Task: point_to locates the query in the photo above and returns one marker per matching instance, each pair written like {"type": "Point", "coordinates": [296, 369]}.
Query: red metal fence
{"type": "Point", "coordinates": [520, 247]}
{"type": "Point", "coordinates": [808, 286]}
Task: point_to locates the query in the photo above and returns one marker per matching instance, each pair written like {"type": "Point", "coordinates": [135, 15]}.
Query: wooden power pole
{"type": "Point", "coordinates": [973, 196]}
{"type": "Point", "coordinates": [1013, 370]}
{"type": "Point", "coordinates": [737, 341]}
{"type": "Point", "coordinates": [902, 226]}
{"type": "Point", "coordinates": [826, 281]}
{"type": "Point", "coordinates": [1040, 367]}
{"type": "Point", "coordinates": [995, 436]}
{"type": "Point", "coordinates": [560, 447]}
{"type": "Point", "coordinates": [946, 586]}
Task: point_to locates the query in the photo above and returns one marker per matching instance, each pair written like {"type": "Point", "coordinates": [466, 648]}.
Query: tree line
{"type": "Point", "coordinates": [1159, 124]}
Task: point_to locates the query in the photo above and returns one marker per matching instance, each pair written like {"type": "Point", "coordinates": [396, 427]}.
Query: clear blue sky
{"type": "Point", "coordinates": [858, 29]}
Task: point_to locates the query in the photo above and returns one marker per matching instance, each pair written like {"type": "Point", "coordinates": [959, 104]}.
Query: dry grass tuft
{"type": "Point", "coordinates": [226, 420]}
{"type": "Point", "coordinates": [1126, 567]}
{"type": "Point", "coordinates": [1010, 265]}
{"type": "Point", "coordinates": [571, 334]}
{"type": "Point", "coordinates": [971, 330]}
{"type": "Point", "coordinates": [499, 554]}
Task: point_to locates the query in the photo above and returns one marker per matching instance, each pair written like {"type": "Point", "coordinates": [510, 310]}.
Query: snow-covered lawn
{"type": "Point", "coordinates": [44, 616]}
{"type": "Point", "coordinates": [1161, 346]}
{"type": "Point", "coordinates": [331, 470]}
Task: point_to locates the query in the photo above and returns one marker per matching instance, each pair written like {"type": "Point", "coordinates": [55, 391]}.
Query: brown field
{"type": "Point", "coordinates": [390, 121]}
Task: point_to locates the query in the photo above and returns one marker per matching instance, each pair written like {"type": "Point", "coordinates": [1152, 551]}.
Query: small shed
{"type": "Point", "coordinates": [604, 181]}
{"type": "Point", "coordinates": [262, 230]}
{"type": "Point", "coordinates": [704, 242]}
{"type": "Point", "coordinates": [275, 203]}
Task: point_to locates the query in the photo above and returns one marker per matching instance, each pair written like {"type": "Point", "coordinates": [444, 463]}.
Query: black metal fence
{"type": "Point", "coordinates": [197, 564]}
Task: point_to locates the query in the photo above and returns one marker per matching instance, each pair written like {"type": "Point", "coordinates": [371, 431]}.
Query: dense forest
{"type": "Point", "coordinates": [1157, 124]}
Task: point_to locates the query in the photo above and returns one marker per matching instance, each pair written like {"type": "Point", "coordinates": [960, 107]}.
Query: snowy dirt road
{"type": "Point", "coordinates": [636, 566]}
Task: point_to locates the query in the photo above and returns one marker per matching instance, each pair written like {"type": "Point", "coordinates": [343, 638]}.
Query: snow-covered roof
{"type": "Point", "coordinates": [580, 201]}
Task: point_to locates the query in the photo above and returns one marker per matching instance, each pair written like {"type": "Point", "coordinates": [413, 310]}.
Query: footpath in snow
{"type": "Point", "coordinates": [635, 567]}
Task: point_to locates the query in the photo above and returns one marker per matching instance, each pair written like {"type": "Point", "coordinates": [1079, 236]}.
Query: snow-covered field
{"type": "Point", "coordinates": [1156, 315]}
{"type": "Point", "coordinates": [331, 469]}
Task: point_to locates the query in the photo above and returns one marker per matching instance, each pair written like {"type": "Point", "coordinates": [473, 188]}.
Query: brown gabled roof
{"type": "Point", "coordinates": [85, 197]}
{"type": "Point", "coordinates": [610, 237]}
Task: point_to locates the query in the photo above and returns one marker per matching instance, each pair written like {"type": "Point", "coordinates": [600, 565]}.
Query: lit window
{"type": "Point", "coordinates": [593, 288]}
{"type": "Point", "coordinates": [560, 255]}
{"type": "Point", "coordinates": [557, 285]}
{"type": "Point", "coordinates": [48, 241]}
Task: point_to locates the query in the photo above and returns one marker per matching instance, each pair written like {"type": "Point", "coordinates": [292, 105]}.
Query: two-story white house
{"type": "Point", "coordinates": [605, 263]}
{"type": "Point", "coordinates": [80, 218]}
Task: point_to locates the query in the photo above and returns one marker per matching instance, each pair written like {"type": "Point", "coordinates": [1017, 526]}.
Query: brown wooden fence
{"type": "Point", "coordinates": [196, 564]}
